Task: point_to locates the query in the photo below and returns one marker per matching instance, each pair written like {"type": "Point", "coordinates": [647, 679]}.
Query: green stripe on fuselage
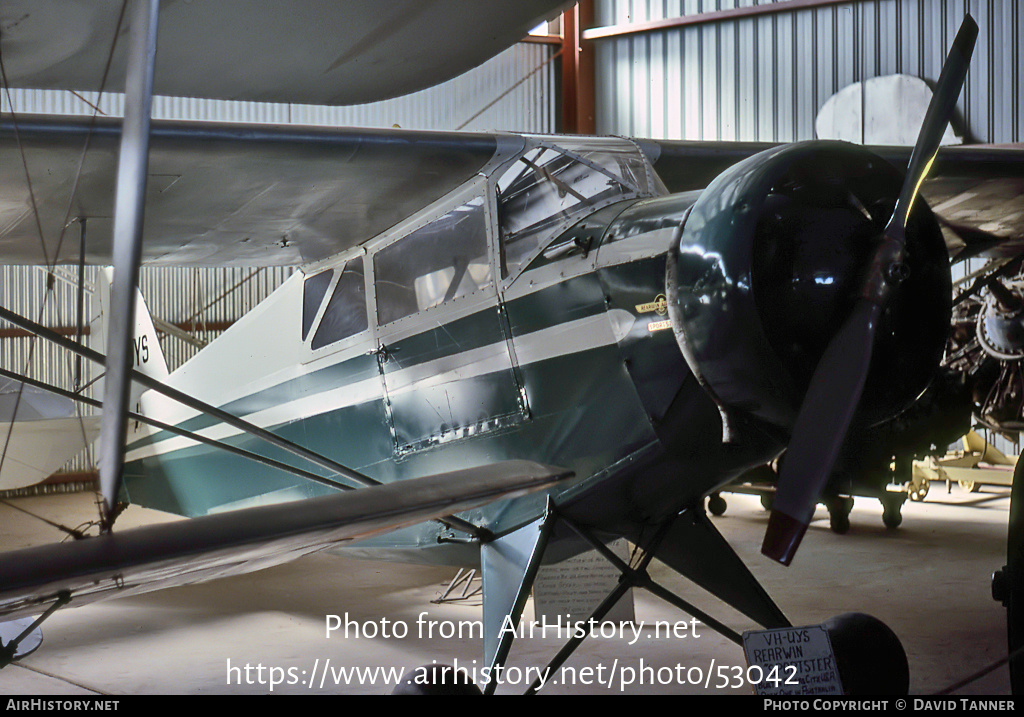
{"type": "Point", "coordinates": [551, 306]}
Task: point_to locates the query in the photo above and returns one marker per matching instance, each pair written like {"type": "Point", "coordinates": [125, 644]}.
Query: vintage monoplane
{"type": "Point", "coordinates": [478, 315]}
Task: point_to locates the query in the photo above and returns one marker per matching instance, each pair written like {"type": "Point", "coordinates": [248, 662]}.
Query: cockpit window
{"type": "Point", "coordinates": [442, 261]}
{"type": "Point", "coordinates": [313, 291]}
{"type": "Point", "coordinates": [345, 314]}
{"type": "Point", "coordinates": [548, 188]}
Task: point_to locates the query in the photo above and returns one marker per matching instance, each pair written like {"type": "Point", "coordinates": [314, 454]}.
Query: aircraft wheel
{"type": "Point", "coordinates": [716, 504]}
{"type": "Point", "coordinates": [839, 514]}
{"type": "Point", "coordinates": [969, 485]}
{"type": "Point", "coordinates": [436, 680]}
{"type": "Point", "coordinates": [1008, 583]}
{"type": "Point", "coordinates": [869, 655]}
{"type": "Point", "coordinates": [892, 504]}
{"type": "Point", "coordinates": [892, 517]}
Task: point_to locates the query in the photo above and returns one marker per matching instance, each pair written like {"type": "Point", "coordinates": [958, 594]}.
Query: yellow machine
{"type": "Point", "coordinates": [980, 463]}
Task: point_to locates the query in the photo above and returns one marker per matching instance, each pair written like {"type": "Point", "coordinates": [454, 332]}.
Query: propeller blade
{"type": "Point", "coordinates": [838, 381]}
{"type": "Point", "coordinates": [825, 416]}
{"type": "Point", "coordinates": [940, 109]}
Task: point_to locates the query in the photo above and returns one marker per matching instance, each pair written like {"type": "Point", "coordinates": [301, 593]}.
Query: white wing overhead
{"type": "Point", "coordinates": [314, 52]}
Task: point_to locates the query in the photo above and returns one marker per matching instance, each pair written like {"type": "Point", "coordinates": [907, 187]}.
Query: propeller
{"type": "Point", "coordinates": [838, 380]}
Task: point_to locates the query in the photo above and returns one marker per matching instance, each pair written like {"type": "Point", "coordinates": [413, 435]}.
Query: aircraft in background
{"type": "Point", "coordinates": [42, 429]}
{"type": "Point", "coordinates": [480, 315]}
{"type": "Point", "coordinates": [39, 433]}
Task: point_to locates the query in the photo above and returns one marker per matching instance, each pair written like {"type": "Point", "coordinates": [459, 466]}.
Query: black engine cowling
{"type": "Point", "coordinates": [770, 262]}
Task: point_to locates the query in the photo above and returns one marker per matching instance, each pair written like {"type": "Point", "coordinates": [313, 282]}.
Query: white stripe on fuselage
{"type": "Point", "coordinates": [553, 342]}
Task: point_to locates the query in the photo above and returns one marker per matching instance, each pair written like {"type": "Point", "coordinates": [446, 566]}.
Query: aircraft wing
{"type": "Point", "coordinates": [312, 52]}
{"type": "Point", "coordinates": [977, 191]}
{"type": "Point", "coordinates": [200, 549]}
{"type": "Point", "coordinates": [221, 194]}
{"type": "Point", "coordinates": [37, 449]}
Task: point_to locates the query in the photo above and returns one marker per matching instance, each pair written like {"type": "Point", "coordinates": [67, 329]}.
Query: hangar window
{"type": "Point", "coordinates": [548, 189]}
{"type": "Point", "coordinates": [313, 291]}
{"type": "Point", "coordinates": [345, 314]}
{"type": "Point", "coordinates": [441, 261]}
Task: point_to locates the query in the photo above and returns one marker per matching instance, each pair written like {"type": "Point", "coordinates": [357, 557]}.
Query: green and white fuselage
{"type": "Point", "coordinates": [521, 316]}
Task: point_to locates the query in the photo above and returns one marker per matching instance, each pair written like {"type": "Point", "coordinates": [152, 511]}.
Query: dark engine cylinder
{"type": "Point", "coordinates": [770, 262]}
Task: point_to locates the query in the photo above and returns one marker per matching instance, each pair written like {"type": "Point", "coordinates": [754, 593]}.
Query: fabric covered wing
{"type": "Point", "coordinates": [199, 549]}
{"type": "Point", "coordinates": [224, 194]}
{"type": "Point", "coordinates": [314, 52]}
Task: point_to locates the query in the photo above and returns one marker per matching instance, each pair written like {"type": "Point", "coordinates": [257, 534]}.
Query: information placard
{"type": "Point", "coordinates": [574, 587]}
{"type": "Point", "coordinates": [792, 661]}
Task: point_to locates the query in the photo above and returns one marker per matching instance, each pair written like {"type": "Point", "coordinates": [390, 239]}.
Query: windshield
{"type": "Point", "coordinates": [550, 188]}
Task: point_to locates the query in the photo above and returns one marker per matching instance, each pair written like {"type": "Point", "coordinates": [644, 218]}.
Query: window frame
{"type": "Point", "coordinates": [475, 188]}
{"type": "Point", "coordinates": [632, 192]}
{"type": "Point", "coordinates": [358, 337]}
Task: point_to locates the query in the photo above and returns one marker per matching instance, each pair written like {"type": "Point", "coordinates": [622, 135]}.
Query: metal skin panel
{"type": "Point", "coordinates": [448, 405]}
{"type": "Point", "coordinates": [649, 351]}
{"type": "Point", "coordinates": [360, 435]}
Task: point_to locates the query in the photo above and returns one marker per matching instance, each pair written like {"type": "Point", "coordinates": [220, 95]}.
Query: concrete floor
{"type": "Point", "coordinates": [928, 580]}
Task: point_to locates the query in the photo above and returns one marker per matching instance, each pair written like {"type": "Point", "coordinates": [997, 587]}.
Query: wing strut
{"type": "Point", "coordinates": [9, 652]}
{"type": "Point", "coordinates": [190, 401]}
{"type": "Point", "coordinates": [133, 161]}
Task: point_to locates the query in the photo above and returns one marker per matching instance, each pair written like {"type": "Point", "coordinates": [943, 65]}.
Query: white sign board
{"type": "Point", "coordinates": [576, 586]}
{"type": "Point", "coordinates": [792, 661]}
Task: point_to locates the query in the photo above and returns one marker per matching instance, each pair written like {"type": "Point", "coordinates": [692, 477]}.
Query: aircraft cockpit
{"type": "Point", "coordinates": [520, 210]}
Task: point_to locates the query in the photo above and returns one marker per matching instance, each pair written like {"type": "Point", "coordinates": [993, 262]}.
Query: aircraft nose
{"type": "Point", "coordinates": [769, 266]}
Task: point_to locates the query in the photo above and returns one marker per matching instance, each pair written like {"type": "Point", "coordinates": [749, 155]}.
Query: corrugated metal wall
{"type": "Point", "coordinates": [764, 78]}
{"type": "Point", "coordinates": [515, 91]}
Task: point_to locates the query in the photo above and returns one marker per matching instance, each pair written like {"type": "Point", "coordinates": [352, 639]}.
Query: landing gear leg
{"type": "Point", "coordinates": [687, 543]}
{"type": "Point", "coordinates": [839, 508]}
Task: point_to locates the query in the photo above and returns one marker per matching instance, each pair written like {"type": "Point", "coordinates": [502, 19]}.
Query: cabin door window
{"type": "Point", "coordinates": [444, 355]}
